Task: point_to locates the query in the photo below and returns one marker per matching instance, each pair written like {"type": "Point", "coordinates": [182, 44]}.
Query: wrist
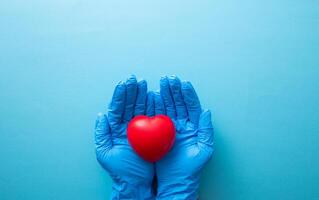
{"type": "Point", "coordinates": [179, 189]}
{"type": "Point", "coordinates": [132, 190]}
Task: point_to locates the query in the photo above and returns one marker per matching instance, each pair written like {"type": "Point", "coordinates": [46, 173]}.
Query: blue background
{"type": "Point", "coordinates": [254, 63]}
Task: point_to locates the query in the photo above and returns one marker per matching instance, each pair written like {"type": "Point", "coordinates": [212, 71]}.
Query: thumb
{"type": "Point", "coordinates": [102, 133]}
{"type": "Point", "coordinates": [206, 131]}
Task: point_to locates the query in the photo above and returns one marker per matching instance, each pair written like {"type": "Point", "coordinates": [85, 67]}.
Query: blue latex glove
{"type": "Point", "coordinates": [178, 173]}
{"type": "Point", "coordinates": [132, 176]}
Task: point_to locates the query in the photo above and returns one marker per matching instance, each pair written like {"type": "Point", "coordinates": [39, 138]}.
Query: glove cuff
{"type": "Point", "coordinates": [178, 190]}
{"type": "Point", "coordinates": [126, 190]}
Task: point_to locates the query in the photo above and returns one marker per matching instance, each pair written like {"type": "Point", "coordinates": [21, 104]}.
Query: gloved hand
{"type": "Point", "coordinates": [178, 173]}
{"type": "Point", "coordinates": [132, 176]}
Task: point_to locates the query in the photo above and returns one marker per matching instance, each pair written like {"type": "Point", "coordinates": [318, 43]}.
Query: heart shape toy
{"type": "Point", "coordinates": [151, 137]}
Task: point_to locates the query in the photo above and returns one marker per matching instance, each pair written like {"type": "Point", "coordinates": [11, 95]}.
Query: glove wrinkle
{"type": "Point", "coordinates": [131, 191]}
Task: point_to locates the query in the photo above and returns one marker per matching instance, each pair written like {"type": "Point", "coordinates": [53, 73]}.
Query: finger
{"type": "Point", "coordinates": [117, 105]}
{"type": "Point", "coordinates": [206, 132]}
{"type": "Point", "coordinates": [150, 108]}
{"type": "Point", "coordinates": [191, 101]}
{"type": "Point", "coordinates": [140, 98]}
{"type": "Point", "coordinates": [159, 104]}
{"type": "Point", "coordinates": [167, 98]}
{"type": "Point", "coordinates": [131, 90]}
{"type": "Point", "coordinates": [102, 133]}
{"type": "Point", "coordinates": [175, 87]}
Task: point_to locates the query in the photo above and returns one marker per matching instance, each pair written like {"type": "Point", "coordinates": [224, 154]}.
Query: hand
{"type": "Point", "coordinates": [132, 176]}
{"type": "Point", "coordinates": [178, 172]}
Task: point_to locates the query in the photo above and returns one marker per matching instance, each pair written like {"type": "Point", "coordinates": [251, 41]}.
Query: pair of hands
{"type": "Point", "coordinates": [178, 172]}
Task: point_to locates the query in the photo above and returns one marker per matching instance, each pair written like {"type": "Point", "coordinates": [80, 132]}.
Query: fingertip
{"type": "Point", "coordinates": [131, 85]}
{"type": "Point", "coordinates": [188, 89]}
{"type": "Point", "coordinates": [120, 87]}
{"type": "Point", "coordinates": [164, 81]}
{"type": "Point", "coordinates": [119, 90]}
{"type": "Point", "coordinates": [132, 76]}
{"type": "Point", "coordinates": [101, 120]}
{"type": "Point", "coordinates": [172, 76]}
{"type": "Point", "coordinates": [174, 82]}
{"type": "Point", "coordinates": [131, 80]}
{"type": "Point", "coordinates": [117, 104]}
{"type": "Point", "coordinates": [141, 87]}
{"type": "Point", "coordinates": [163, 77]}
{"type": "Point", "coordinates": [120, 84]}
{"type": "Point", "coordinates": [184, 82]}
{"type": "Point", "coordinates": [186, 85]}
{"type": "Point", "coordinates": [99, 115]}
{"type": "Point", "coordinates": [156, 95]}
{"type": "Point", "coordinates": [206, 113]}
{"type": "Point", "coordinates": [142, 83]}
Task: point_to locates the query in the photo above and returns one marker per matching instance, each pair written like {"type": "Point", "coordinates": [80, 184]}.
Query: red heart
{"type": "Point", "coordinates": [151, 137]}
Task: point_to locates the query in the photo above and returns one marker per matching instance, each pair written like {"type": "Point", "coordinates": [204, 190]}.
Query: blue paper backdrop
{"type": "Point", "coordinates": [254, 63]}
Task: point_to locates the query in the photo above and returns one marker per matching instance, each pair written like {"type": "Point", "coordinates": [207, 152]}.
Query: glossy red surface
{"type": "Point", "coordinates": [151, 137]}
